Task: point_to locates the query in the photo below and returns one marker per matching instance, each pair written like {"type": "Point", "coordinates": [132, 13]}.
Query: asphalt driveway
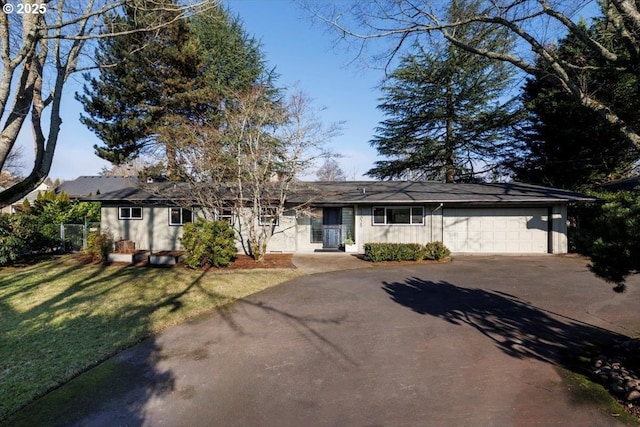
{"type": "Point", "coordinates": [477, 342]}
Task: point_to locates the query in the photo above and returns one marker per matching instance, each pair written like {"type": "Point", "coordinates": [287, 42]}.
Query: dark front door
{"type": "Point", "coordinates": [331, 227]}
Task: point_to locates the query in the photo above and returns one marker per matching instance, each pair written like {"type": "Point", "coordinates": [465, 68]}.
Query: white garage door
{"type": "Point", "coordinates": [522, 230]}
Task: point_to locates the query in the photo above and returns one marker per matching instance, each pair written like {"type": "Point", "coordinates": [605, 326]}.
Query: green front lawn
{"type": "Point", "coordinates": [59, 317]}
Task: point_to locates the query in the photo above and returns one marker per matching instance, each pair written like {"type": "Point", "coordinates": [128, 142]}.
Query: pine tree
{"type": "Point", "coordinates": [156, 90]}
{"type": "Point", "coordinates": [444, 115]}
{"type": "Point", "coordinates": [145, 77]}
{"type": "Point", "coordinates": [570, 146]}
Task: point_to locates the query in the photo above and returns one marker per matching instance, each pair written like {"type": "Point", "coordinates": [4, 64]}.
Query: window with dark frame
{"type": "Point", "coordinates": [417, 215]}
{"type": "Point", "coordinates": [129, 212]}
{"type": "Point", "coordinates": [398, 215]}
{"type": "Point", "coordinates": [267, 215]}
{"type": "Point", "coordinates": [180, 216]}
{"type": "Point", "coordinates": [316, 226]}
{"type": "Point", "coordinates": [226, 214]}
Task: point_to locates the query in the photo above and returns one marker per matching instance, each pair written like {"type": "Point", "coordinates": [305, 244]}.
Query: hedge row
{"type": "Point", "coordinates": [378, 252]}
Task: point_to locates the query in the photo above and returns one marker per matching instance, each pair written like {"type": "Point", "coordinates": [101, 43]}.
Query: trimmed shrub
{"type": "Point", "coordinates": [378, 252]}
{"type": "Point", "coordinates": [436, 251]}
{"type": "Point", "coordinates": [208, 243]}
{"type": "Point", "coordinates": [375, 252]}
{"type": "Point", "coordinates": [98, 246]}
{"type": "Point", "coordinates": [408, 252]}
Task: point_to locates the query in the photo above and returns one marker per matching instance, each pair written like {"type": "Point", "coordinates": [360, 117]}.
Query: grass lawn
{"type": "Point", "coordinates": [59, 317]}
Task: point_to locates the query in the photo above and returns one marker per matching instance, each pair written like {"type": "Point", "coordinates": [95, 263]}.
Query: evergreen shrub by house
{"type": "Point", "coordinates": [436, 251]}
{"type": "Point", "coordinates": [208, 243]}
{"type": "Point", "coordinates": [378, 252]}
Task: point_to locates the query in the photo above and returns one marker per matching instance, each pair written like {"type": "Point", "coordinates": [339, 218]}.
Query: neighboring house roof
{"type": "Point", "coordinates": [86, 186]}
{"type": "Point", "coordinates": [380, 192]}
{"type": "Point", "coordinates": [625, 184]}
{"type": "Point", "coordinates": [33, 195]}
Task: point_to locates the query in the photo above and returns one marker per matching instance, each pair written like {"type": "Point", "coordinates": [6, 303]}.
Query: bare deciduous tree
{"type": "Point", "coordinates": [13, 166]}
{"type": "Point", "coordinates": [133, 168]}
{"type": "Point", "coordinates": [330, 171]}
{"type": "Point", "coordinates": [39, 51]}
{"type": "Point", "coordinates": [536, 25]}
{"type": "Point", "coordinates": [250, 165]}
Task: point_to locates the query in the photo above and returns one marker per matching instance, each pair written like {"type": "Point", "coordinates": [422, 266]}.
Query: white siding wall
{"type": "Point", "coordinates": [303, 236]}
{"type": "Point", "coordinates": [284, 236]}
{"type": "Point", "coordinates": [558, 239]}
{"type": "Point", "coordinates": [367, 232]}
{"type": "Point", "coordinates": [152, 232]}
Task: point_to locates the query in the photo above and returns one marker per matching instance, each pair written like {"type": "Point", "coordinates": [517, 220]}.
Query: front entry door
{"type": "Point", "coordinates": [331, 236]}
{"type": "Point", "coordinates": [331, 227]}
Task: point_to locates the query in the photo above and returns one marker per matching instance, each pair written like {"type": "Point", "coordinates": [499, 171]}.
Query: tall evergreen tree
{"type": "Point", "coordinates": [233, 60]}
{"type": "Point", "coordinates": [444, 113]}
{"type": "Point", "coordinates": [144, 77]}
{"type": "Point", "coordinates": [155, 88]}
{"type": "Point", "coordinates": [567, 145]}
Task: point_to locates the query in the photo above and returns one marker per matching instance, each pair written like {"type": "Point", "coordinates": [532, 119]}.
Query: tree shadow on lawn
{"type": "Point", "coordinates": [518, 328]}
{"type": "Point", "coordinates": [112, 390]}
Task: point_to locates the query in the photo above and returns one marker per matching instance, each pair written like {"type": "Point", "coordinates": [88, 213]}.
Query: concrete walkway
{"type": "Point", "coordinates": [480, 341]}
{"type": "Point", "coordinates": [324, 262]}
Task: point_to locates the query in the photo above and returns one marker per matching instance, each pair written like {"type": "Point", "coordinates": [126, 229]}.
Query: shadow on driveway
{"type": "Point", "coordinates": [516, 327]}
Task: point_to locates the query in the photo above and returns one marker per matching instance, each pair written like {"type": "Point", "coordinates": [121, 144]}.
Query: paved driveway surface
{"type": "Point", "coordinates": [475, 342]}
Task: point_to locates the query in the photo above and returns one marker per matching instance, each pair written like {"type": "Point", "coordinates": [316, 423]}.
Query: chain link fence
{"type": "Point", "coordinates": [73, 237]}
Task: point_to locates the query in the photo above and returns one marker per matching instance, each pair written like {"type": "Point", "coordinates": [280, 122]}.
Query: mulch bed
{"type": "Point", "coordinates": [242, 262]}
{"type": "Point", "coordinates": [245, 262]}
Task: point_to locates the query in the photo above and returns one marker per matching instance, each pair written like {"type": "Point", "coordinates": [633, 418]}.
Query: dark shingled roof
{"type": "Point", "coordinates": [397, 192]}
{"type": "Point", "coordinates": [383, 192]}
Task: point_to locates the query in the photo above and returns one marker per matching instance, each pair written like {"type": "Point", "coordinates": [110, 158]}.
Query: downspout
{"type": "Point", "coordinates": [439, 207]}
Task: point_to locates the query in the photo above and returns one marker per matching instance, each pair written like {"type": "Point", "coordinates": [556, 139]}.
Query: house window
{"type": "Point", "coordinates": [268, 216]}
{"type": "Point", "coordinates": [226, 214]}
{"type": "Point", "coordinates": [316, 226]}
{"type": "Point", "coordinates": [129, 212]}
{"type": "Point", "coordinates": [417, 216]}
{"type": "Point", "coordinates": [398, 215]}
{"type": "Point", "coordinates": [180, 216]}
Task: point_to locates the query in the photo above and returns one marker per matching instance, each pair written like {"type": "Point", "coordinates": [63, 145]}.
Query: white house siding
{"type": "Point", "coordinates": [471, 230]}
{"type": "Point", "coordinates": [303, 235]}
{"type": "Point", "coordinates": [558, 243]}
{"type": "Point", "coordinates": [284, 236]}
{"type": "Point", "coordinates": [152, 232]}
{"type": "Point", "coordinates": [496, 230]}
{"type": "Point", "coordinates": [367, 232]}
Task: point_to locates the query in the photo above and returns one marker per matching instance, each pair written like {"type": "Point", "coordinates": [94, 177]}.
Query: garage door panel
{"type": "Point", "coordinates": [515, 224]}
{"type": "Point", "coordinates": [494, 230]}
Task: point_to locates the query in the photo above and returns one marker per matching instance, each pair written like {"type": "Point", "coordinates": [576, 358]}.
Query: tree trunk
{"type": "Point", "coordinates": [450, 167]}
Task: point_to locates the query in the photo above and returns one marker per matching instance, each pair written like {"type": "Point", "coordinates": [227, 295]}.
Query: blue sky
{"type": "Point", "coordinates": [302, 52]}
